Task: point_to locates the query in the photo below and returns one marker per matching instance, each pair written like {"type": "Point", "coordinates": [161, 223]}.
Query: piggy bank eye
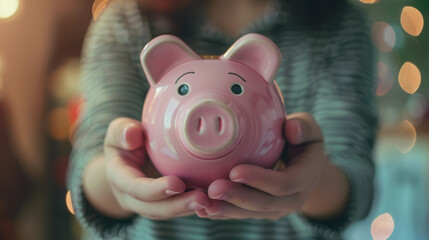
{"type": "Point", "coordinates": [183, 89]}
{"type": "Point", "coordinates": [237, 89]}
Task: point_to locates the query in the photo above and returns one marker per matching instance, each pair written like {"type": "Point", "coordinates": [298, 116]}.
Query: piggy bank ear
{"type": "Point", "coordinates": [162, 54]}
{"type": "Point", "coordinates": [258, 52]}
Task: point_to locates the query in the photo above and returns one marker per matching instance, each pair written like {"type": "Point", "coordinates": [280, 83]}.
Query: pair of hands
{"type": "Point", "coordinates": [251, 191]}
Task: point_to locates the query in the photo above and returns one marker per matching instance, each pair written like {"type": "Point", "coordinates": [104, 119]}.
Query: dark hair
{"type": "Point", "coordinates": [313, 14]}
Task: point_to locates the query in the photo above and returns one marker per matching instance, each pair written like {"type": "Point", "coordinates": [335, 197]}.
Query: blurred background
{"type": "Point", "coordinates": [40, 46]}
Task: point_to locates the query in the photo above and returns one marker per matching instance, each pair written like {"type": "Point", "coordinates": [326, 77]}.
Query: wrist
{"type": "Point", "coordinates": [98, 191]}
{"type": "Point", "coordinates": [329, 197]}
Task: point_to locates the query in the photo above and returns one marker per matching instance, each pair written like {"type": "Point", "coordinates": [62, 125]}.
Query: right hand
{"type": "Point", "coordinates": [136, 184]}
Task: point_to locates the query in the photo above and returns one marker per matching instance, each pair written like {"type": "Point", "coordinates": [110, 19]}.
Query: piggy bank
{"type": "Point", "coordinates": [204, 116]}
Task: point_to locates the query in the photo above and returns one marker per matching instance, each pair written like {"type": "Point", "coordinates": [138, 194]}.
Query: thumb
{"type": "Point", "coordinates": [302, 128]}
{"type": "Point", "coordinates": [124, 133]}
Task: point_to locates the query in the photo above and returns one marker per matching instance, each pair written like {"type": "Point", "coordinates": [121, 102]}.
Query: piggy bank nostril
{"type": "Point", "coordinates": [219, 125]}
{"type": "Point", "coordinates": [200, 125]}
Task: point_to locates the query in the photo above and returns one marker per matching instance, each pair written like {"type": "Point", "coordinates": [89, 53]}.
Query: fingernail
{"type": "Point", "coordinates": [202, 213]}
{"type": "Point", "coordinates": [124, 134]}
{"type": "Point", "coordinates": [298, 129]}
{"type": "Point", "coordinates": [223, 196]}
{"type": "Point", "coordinates": [241, 180]}
{"type": "Point", "coordinates": [170, 192]}
{"type": "Point", "coordinates": [215, 213]}
{"type": "Point", "coordinates": [195, 206]}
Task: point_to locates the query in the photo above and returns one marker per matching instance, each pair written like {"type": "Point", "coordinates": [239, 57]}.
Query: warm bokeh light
{"type": "Point", "coordinates": [65, 81]}
{"type": "Point", "coordinates": [407, 136]}
{"type": "Point", "coordinates": [368, 1]}
{"type": "Point", "coordinates": [69, 202]}
{"type": "Point", "coordinates": [412, 20]}
{"type": "Point", "coordinates": [385, 79]}
{"type": "Point", "coordinates": [382, 227]}
{"type": "Point", "coordinates": [59, 123]}
{"type": "Point", "coordinates": [383, 36]}
{"type": "Point", "coordinates": [8, 8]}
{"type": "Point", "coordinates": [98, 7]}
{"type": "Point", "coordinates": [409, 77]}
{"type": "Point", "coordinates": [389, 36]}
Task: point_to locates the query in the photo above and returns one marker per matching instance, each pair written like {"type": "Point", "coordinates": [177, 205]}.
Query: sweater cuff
{"type": "Point", "coordinates": [361, 186]}
{"type": "Point", "coordinates": [91, 220]}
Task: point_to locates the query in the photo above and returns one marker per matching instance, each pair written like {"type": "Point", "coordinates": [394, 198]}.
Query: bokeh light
{"type": "Point", "coordinates": [69, 203]}
{"type": "Point", "coordinates": [98, 7]}
{"type": "Point", "coordinates": [8, 8]}
{"type": "Point", "coordinates": [368, 1]}
{"type": "Point", "coordinates": [389, 36]}
{"type": "Point", "coordinates": [382, 227]}
{"type": "Point", "coordinates": [385, 79]}
{"type": "Point", "coordinates": [407, 136]}
{"type": "Point", "coordinates": [412, 21]}
{"type": "Point", "coordinates": [409, 77]}
{"type": "Point", "coordinates": [383, 36]}
{"type": "Point", "coordinates": [59, 123]}
{"type": "Point", "coordinates": [65, 81]}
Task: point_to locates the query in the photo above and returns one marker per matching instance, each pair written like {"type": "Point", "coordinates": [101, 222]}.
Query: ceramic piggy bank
{"type": "Point", "coordinates": [202, 117]}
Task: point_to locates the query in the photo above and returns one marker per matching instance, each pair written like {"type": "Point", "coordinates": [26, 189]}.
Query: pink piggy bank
{"type": "Point", "coordinates": [202, 117]}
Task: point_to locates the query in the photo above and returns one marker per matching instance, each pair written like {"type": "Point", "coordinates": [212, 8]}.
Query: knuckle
{"type": "Point", "coordinates": [169, 181]}
{"type": "Point", "coordinates": [267, 205]}
{"type": "Point", "coordinates": [220, 210]}
{"type": "Point", "coordinates": [128, 188]}
{"type": "Point", "coordinates": [197, 196]}
{"type": "Point", "coordinates": [115, 124]}
{"type": "Point", "coordinates": [111, 180]}
{"type": "Point", "coordinates": [132, 189]}
{"type": "Point", "coordinates": [149, 212]}
{"type": "Point", "coordinates": [281, 190]}
{"type": "Point", "coordinates": [118, 122]}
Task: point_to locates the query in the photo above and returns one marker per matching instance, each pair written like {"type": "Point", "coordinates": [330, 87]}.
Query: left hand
{"type": "Point", "coordinates": [256, 192]}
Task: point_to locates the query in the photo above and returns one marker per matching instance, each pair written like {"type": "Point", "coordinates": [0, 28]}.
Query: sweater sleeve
{"type": "Point", "coordinates": [346, 112]}
{"type": "Point", "coordinates": [113, 85]}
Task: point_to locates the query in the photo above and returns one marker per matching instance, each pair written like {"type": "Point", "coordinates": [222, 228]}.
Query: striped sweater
{"type": "Point", "coordinates": [328, 73]}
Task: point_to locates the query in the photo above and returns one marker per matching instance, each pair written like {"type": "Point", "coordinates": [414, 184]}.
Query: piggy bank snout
{"type": "Point", "coordinates": [209, 129]}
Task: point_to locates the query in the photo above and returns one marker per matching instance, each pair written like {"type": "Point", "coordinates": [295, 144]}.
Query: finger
{"type": "Point", "coordinates": [305, 167]}
{"type": "Point", "coordinates": [246, 197]}
{"type": "Point", "coordinates": [225, 210]}
{"type": "Point", "coordinates": [124, 133]}
{"type": "Point", "coordinates": [127, 178]}
{"type": "Point", "coordinates": [179, 205]}
{"type": "Point", "coordinates": [203, 214]}
{"type": "Point", "coordinates": [276, 183]}
{"type": "Point", "coordinates": [302, 128]}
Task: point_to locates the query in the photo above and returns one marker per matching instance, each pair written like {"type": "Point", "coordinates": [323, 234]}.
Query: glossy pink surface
{"type": "Point", "coordinates": [201, 135]}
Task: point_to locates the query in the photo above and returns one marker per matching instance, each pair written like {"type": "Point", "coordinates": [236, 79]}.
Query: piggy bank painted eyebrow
{"type": "Point", "coordinates": [202, 117]}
